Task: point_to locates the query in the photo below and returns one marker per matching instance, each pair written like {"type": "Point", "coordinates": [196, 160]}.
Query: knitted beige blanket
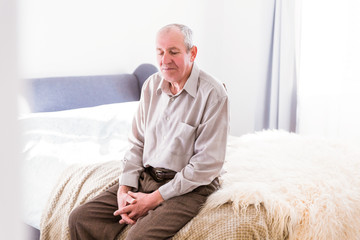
{"type": "Point", "coordinates": [80, 183]}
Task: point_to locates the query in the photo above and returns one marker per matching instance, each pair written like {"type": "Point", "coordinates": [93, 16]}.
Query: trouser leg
{"type": "Point", "coordinates": [95, 219]}
{"type": "Point", "coordinates": [170, 216]}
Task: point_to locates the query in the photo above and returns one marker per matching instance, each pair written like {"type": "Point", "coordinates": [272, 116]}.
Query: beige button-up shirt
{"type": "Point", "coordinates": [186, 132]}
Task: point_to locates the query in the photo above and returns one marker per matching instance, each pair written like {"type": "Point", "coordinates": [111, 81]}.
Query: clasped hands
{"type": "Point", "coordinates": [132, 206]}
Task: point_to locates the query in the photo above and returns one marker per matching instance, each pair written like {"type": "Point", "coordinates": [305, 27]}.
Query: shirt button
{"type": "Point", "coordinates": [167, 118]}
{"type": "Point", "coordinates": [171, 99]}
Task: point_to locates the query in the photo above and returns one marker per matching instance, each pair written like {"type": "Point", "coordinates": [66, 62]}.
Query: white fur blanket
{"type": "Point", "coordinates": [309, 187]}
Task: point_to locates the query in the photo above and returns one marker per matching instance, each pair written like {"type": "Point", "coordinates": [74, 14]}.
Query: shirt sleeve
{"type": "Point", "coordinates": [209, 152]}
{"type": "Point", "coordinates": [132, 163]}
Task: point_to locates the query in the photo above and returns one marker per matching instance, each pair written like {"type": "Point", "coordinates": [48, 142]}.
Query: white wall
{"type": "Point", "coordinates": [85, 37]}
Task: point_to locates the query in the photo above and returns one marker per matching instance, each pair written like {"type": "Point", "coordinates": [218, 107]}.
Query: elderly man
{"type": "Point", "coordinates": [178, 145]}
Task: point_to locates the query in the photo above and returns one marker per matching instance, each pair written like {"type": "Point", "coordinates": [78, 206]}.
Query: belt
{"type": "Point", "coordinates": [160, 174]}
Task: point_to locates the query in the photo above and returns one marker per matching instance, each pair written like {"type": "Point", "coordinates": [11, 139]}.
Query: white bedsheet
{"type": "Point", "coordinates": [53, 141]}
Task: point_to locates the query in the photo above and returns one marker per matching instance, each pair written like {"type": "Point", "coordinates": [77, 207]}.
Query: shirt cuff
{"type": "Point", "coordinates": [129, 180]}
{"type": "Point", "coordinates": [167, 191]}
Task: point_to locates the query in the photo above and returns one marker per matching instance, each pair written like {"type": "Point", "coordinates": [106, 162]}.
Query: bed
{"type": "Point", "coordinates": [276, 185]}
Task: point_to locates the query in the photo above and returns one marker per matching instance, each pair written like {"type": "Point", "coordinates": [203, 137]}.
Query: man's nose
{"type": "Point", "coordinates": [166, 58]}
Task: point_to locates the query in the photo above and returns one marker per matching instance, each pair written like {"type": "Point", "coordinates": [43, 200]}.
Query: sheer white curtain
{"type": "Point", "coordinates": [277, 105]}
{"type": "Point", "coordinates": [329, 78]}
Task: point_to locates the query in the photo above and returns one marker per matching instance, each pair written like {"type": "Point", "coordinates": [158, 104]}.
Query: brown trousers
{"type": "Point", "coordinates": [95, 219]}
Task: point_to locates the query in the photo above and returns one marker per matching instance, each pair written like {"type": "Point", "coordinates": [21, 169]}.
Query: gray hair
{"type": "Point", "coordinates": [185, 30]}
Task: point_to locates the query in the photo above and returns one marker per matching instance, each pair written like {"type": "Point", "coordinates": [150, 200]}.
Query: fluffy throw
{"type": "Point", "coordinates": [309, 186]}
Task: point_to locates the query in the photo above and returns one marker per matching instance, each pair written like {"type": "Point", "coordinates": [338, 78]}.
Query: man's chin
{"type": "Point", "coordinates": [168, 76]}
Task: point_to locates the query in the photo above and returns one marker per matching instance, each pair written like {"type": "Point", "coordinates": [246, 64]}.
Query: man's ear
{"type": "Point", "coordinates": [193, 53]}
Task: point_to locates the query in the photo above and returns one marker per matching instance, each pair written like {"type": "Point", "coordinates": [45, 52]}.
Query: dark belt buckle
{"type": "Point", "coordinates": [160, 175]}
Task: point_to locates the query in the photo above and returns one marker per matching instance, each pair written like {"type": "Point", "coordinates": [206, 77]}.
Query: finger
{"type": "Point", "coordinates": [133, 215]}
{"type": "Point", "coordinates": [120, 211]}
{"type": "Point", "coordinates": [130, 199]}
{"type": "Point", "coordinates": [126, 219]}
{"type": "Point", "coordinates": [125, 210]}
{"type": "Point", "coordinates": [123, 222]}
{"type": "Point", "coordinates": [132, 194]}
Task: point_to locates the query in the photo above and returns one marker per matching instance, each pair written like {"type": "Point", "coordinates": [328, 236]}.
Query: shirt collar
{"type": "Point", "coordinates": [192, 82]}
{"type": "Point", "coordinates": [190, 86]}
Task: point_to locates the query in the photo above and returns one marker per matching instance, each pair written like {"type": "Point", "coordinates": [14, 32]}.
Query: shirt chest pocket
{"type": "Point", "coordinates": [182, 140]}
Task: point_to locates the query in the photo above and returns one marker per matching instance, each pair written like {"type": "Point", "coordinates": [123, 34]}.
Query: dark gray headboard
{"type": "Point", "coordinates": [62, 93]}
